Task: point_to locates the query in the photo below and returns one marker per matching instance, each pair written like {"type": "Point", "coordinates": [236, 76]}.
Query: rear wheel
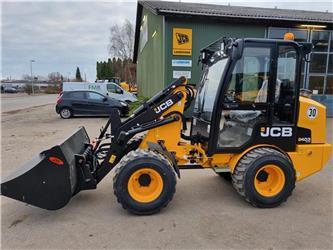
{"type": "Point", "coordinates": [66, 113]}
{"type": "Point", "coordinates": [264, 177]}
{"type": "Point", "coordinates": [144, 182]}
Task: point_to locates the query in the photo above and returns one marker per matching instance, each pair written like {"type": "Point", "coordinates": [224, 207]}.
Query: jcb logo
{"type": "Point", "coordinates": [163, 106]}
{"type": "Point", "coordinates": [182, 38]}
{"type": "Point", "coordinates": [276, 132]}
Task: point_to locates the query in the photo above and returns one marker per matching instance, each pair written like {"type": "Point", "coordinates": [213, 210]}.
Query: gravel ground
{"type": "Point", "coordinates": [205, 213]}
{"type": "Point", "coordinates": [14, 102]}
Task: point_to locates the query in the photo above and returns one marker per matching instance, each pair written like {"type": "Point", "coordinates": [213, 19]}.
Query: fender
{"type": "Point", "coordinates": [159, 148]}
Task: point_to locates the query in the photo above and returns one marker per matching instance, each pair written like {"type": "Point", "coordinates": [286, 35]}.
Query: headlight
{"type": "Point", "coordinates": [123, 104]}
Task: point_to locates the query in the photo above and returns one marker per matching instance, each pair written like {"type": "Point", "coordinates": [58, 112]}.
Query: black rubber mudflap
{"type": "Point", "coordinates": [49, 180]}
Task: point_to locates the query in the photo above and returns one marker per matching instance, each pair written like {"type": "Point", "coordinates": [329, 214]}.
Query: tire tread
{"type": "Point", "coordinates": [132, 156]}
{"type": "Point", "coordinates": [239, 174]}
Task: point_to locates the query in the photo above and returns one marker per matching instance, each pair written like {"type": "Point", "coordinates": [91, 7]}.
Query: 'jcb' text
{"type": "Point", "coordinates": [163, 106]}
{"type": "Point", "coordinates": [276, 132]}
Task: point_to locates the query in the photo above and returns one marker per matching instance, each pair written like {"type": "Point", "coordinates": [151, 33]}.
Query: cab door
{"type": "Point", "coordinates": [286, 96]}
{"type": "Point", "coordinates": [258, 100]}
{"type": "Point", "coordinates": [244, 103]}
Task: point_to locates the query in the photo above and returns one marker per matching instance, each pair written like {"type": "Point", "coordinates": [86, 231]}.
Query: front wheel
{"type": "Point", "coordinates": [144, 183]}
{"type": "Point", "coordinates": [66, 113]}
{"type": "Point", "coordinates": [264, 177]}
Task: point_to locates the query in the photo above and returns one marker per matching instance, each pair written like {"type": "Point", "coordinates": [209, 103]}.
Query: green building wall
{"type": "Point", "coordinates": [154, 63]}
{"type": "Point", "coordinates": [203, 33]}
{"type": "Point", "coordinates": [150, 73]}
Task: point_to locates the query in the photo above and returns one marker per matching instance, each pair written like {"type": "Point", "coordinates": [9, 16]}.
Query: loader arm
{"type": "Point", "coordinates": [165, 109]}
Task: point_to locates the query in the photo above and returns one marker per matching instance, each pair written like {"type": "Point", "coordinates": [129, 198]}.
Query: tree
{"type": "Point", "coordinates": [109, 72]}
{"type": "Point", "coordinates": [78, 77]}
{"type": "Point", "coordinates": [114, 60]}
{"type": "Point", "coordinates": [121, 47]}
{"type": "Point", "coordinates": [122, 40]}
{"type": "Point", "coordinates": [103, 70]}
{"type": "Point", "coordinates": [55, 77]}
{"type": "Point", "coordinates": [98, 71]}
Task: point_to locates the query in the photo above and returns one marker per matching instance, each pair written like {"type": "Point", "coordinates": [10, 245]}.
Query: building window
{"type": "Point", "coordinates": [301, 35]}
{"type": "Point", "coordinates": [316, 84]}
{"type": "Point", "coordinates": [278, 33]}
{"type": "Point", "coordinates": [320, 41]}
{"type": "Point", "coordinates": [321, 62]}
{"type": "Point", "coordinates": [329, 86]}
{"type": "Point", "coordinates": [330, 64]}
{"type": "Point", "coordinates": [318, 63]}
{"type": "Point", "coordinates": [316, 76]}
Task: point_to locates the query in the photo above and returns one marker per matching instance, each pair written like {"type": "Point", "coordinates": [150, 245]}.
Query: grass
{"type": "Point", "coordinates": [134, 105]}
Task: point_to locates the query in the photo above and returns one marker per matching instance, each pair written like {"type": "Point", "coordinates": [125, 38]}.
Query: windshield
{"type": "Point", "coordinates": [208, 87]}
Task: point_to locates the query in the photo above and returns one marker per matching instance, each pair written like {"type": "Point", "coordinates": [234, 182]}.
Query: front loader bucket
{"type": "Point", "coordinates": [49, 180]}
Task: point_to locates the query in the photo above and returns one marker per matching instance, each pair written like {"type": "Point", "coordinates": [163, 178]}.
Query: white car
{"type": "Point", "coordinates": [106, 88]}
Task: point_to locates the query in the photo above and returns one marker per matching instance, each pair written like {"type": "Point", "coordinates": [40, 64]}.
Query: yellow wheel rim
{"type": "Point", "coordinates": [145, 185]}
{"type": "Point", "coordinates": [269, 180]}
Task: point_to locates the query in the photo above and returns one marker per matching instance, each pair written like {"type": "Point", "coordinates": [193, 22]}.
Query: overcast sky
{"type": "Point", "coordinates": [60, 36]}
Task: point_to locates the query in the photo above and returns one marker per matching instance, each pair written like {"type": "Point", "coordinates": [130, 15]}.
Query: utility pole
{"type": "Point", "coordinates": [32, 78]}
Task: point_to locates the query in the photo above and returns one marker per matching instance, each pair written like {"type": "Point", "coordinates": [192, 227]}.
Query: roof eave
{"type": "Point", "coordinates": [175, 12]}
{"type": "Point", "coordinates": [137, 31]}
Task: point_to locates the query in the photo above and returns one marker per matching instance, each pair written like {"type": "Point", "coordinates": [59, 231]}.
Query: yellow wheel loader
{"type": "Point", "coordinates": [250, 125]}
{"type": "Point", "coordinates": [129, 87]}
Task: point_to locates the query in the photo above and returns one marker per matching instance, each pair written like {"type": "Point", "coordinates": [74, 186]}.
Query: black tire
{"type": "Point", "coordinates": [248, 169]}
{"type": "Point", "coordinates": [129, 165]}
{"type": "Point", "coordinates": [225, 175]}
{"type": "Point", "coordinates": [65, 113]}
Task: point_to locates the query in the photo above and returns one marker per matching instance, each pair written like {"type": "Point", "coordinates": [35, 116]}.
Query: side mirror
{"type": "Point", "coordinates": [105, 99]}
{"type": "Point", "coordinates": [120, 91]}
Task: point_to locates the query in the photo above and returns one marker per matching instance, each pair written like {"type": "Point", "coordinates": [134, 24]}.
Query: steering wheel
{"type": "Point", "coordinates": [230, 95]}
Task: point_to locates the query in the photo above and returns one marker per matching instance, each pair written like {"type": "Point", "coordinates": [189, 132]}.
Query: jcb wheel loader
{"type": "Point", "coordinates": [250, 124]}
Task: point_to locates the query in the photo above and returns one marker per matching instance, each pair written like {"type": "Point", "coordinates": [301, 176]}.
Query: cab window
{"type": "Point", "coordinates": [285, 91]}
{"type": "Point", "coordinates": [248, 86]}
{"type": "Point", "coordinates": [249, 79]}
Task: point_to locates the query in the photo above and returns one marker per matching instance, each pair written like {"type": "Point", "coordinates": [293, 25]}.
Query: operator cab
{"type": "Point", "coordinates": [248, 94]}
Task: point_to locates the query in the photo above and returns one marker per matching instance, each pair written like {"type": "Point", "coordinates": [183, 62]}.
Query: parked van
{"type": "Point", "coordinates": [106, 88]}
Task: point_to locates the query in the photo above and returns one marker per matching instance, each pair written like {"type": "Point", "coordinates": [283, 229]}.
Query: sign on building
{"type": "Point", "coordinates": [181, 63]}
{"type": "Point", "coordinates": [176, 74]}
{"type": "Point", "coordinates": [182, 42]}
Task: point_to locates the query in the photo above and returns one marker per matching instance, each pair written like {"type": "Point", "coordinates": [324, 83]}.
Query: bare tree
{"type": "Point", "coordinates": [121, 46]}
{"type": "Point", "coordinates": [122, 40]}
{"type": "Point", "coordinates": [26, 77]}
{"type": "Point", "coordinates": [55, 77]}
